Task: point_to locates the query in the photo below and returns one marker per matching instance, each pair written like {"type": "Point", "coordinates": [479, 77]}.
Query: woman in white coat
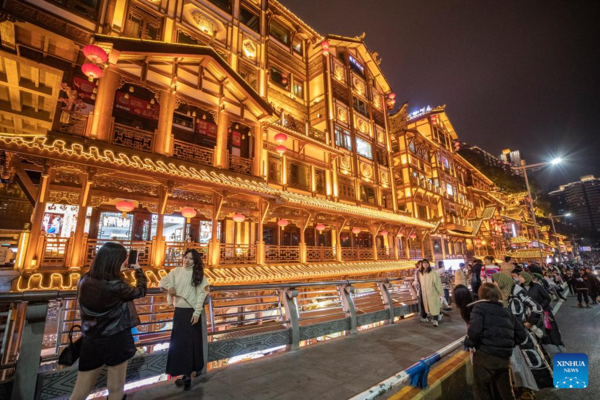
{"type": "Point", "coordinates": [431, 290]}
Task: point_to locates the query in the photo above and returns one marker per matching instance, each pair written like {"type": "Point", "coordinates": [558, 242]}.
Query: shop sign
{"type": "Point", "coordinates": [84, 87]}
{"type": "Point", "coordinates": [206, 128]}
{"type": "Point", "coordinates": [137, 106]}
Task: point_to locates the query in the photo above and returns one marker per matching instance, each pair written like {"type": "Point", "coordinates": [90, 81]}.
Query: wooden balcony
{"type": "Point", "coordinates": [238, 254]}
{"type": "Point", "coordinates": [192, 152]}
{"type": "Point", "coordinates": [133, 138]}
{"type": "Point", "coordinates": [74, 123]}
{"type": "Point", "coordinates": [240, 164]}
{"type": "Point", "coordinates": [55, 251]}
{"type": "Point", "coordinates": [174, 252]}
{"type": "Point", "coordinates": [144, 249]}
{"type": "Point", "coordinates": [357, 253]}
{"type": "Point", "coordinates": [320, 254]}
{"type": "Point", "coordinates": [282, 254]}
{"type": "Point", "coordinates": [385, 253]}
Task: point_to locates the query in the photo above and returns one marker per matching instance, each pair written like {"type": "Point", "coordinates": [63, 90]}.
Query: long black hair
{"type": "Point", "coordinates": [462, 297]}
{"type": "Point", "coordinates": [428, 270]}
{"type": "Point", "coordinates": [108, 261]}
{"type": "Point", "coordinates": [198, 272]}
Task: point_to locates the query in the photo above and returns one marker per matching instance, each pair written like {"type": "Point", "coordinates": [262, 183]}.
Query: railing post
{"type": "Point", "coordinates": [292, 313]}
{"type": "Point", "coordinates": [348, 302]}
{"type": "Point", "coordinates": [28, 364]}
{"type": "Point", "coordinates": [387, 298]}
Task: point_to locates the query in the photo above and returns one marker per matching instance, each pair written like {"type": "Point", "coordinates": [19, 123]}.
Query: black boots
{"type": "Point", "coordinates": [185, 381]}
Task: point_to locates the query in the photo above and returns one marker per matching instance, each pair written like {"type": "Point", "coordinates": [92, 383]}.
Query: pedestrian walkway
{"type": "Point", "coordinates": [335, 370]}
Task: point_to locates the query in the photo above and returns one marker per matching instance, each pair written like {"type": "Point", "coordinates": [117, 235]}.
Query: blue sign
{"type": "Point", "coordinates": [571, 371]}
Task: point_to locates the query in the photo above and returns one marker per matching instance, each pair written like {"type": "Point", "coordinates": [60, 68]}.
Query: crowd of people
{"type": "Point", "coordinates": [512, 333]}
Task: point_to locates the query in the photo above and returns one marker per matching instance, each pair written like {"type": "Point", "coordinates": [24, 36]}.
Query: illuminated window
{"type": "Point", "coordinates": [249, 74]}
{"type": "Point", "coordinates": [298, 175]}
{"type": "Point", "coordinates": [299, 89]}
{"type": "Point", "coordinates": [143, 25]}
{"type": "Point", "coordinates": [367, 194]}
{"type": "Point", "coordinates": [360, 106]}
{"type": "Point", "coordinates": [364, 148]}
{"type": "Point", "coordinates": [85, 8]}
{"type": "Point", "coordinates": [250, 19]}
{"type": "Point", "coordinates": [356, 66]}
{"type": "Point", "coordinates": [342, 138]}
{"type": "Point", "coordinates": [449, 189]}
{"type": "Point", "coordinates": [297, 46]}
{"type": "Point", "coordinates": [224, 5]}
{"type": "Point", "coordinates": [279, 32]}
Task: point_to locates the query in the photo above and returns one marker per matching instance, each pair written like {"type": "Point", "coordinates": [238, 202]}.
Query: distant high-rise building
{"type": "Point", "coordinates": [582, 200]}
{"type": "Point", "coordinates": [512, 157]}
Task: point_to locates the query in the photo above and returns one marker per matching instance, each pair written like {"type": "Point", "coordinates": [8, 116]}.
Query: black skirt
{"type": "Point", "coordinates": [108, 350]}
{"type": "Point", "coordinates": [186, 353]}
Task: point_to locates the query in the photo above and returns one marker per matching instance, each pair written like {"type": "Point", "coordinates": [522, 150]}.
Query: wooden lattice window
{"type": "Point", "coordinates": [275, 169]}
{"type": "Point", "coordinates": [143, 25]}
{"type": "Point", "coordinates": [320, 183]}
{"type": "Point", "coordinates": [346, 189]}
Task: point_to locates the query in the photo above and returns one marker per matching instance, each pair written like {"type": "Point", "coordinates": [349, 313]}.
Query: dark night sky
{"type": "Point", "coordinates": [519, 74]}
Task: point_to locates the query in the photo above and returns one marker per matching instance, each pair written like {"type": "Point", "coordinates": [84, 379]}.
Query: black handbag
{"type": "Point", "coordinates": [71, 353]}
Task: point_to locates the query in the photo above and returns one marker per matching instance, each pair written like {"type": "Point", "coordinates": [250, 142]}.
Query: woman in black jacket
{"type": "Point", "coordinates": [107, 316]}
{"type": "Point", "coordinates": [493, 333]}
{"type": "Point", "coordinates": [476, 276]}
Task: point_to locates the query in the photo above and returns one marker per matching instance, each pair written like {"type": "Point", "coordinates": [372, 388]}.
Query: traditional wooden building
{"type": "Point", "coordinates": [229, 126]}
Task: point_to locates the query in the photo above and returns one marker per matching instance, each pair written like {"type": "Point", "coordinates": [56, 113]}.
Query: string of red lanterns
{"type": "Point", "coordinates": [96, 55]}
{"type": "Point", "coordinates": [325, 47]}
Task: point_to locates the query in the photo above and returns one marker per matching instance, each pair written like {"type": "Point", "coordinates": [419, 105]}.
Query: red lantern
{"type": "Point", "coordinates": [413, 236]}
{"type": "Point", "coordinates": [383, 233]}
{"type": "Point", "coordinates": [95, 54]}
{"type": "Point", "coordinates": [392, 96]}
{"type": "Point", "coordinates": [284, 80]}
{"type": "Point", "coordinates": [356, 231]}
{"type": "Point", "coordinates": [188, 213]}
{"type": "Point", "coordinates": [125, 206]}
{"type": "Point", "coordinates": [320, 227]}
{"type": "Point", "coordinates": [325, 47]}
{"type": "Point", "coordinates": [239, 217]}
{"type": "Point", "coordinates": [280, 138]}
{"type": "Point", "coordinates": [400, 234]}
{"type": "Point", "coordinates": [281, 149]}
{"type": "Point", "coordinates": [92, 71]}
{"type": "Point", "coordinates": [283, 223]}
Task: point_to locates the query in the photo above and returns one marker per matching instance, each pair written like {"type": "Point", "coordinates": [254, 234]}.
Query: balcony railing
{"type": "Point", "coordinates": [144, 249]}
{"type": "Point", "coordinates": [192, 152]}
{"type": "Point", "coordinates": [238, 254]}
{"type": "Point", "coordinates": [385, 253]}
{"type": "Point", "coordinates": [282, 254]}
{"type": "Point", "coordinates": [357, 253]}
{"type": "Point", "coordinates": [240, 164]}
{"type": "Point", "coordinates": [416, 254]}
{"type": "Point", "coordinates": [132, 138]}
{"type": "Point", "coordinates": [174, 252]}
{"type": "Point", "coordinates": [74, 123]}
{"type": "Point", "coordinates": [237, 320]}
{"type": "Point", "coordinates": [317, 135]}
{"type": "Point", "coordinates": [54, 251]}
{"type": "Point", "coordinates": [320, 254]}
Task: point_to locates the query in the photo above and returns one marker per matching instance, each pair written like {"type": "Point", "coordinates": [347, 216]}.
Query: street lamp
{"type": "Point", "coordinates": [524, 168]}
{"type": "Point", "coordinates": [552, 218]}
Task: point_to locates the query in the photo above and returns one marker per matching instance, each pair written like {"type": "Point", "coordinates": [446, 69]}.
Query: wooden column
{"type": "Point", "coordinates": [36, 221]}
{"type": "Point", "coordinates": [214, 249]}
{"type": "Point", "coordinates": [163, 141]}
{"type": "Point", "coordinates": [159, 250]}
{"type": "Point", "coordinates": [407, 247]}
{"type": "Point", "coordinates": [77, 251]}
{"type": "Point", "coordinates": [260, 243]}
{"type": "Point", "coordinates": [257, 162]}
{"type": "Point", "coordinates": [432, 248]}
{"type": "Point", "coordinates": [102, 118]}
{"type": "Point", "coordinates": [221, 158]}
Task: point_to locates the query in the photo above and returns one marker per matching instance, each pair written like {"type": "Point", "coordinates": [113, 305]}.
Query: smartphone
{"type": "Point", "coordinates": [133, 258]}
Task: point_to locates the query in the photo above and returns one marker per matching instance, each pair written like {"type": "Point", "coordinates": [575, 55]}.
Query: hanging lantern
{"type": "Point", "coordinates": [95, 54]}
{"type": "Point", "coordinates": [152, 101]}
{"type": "Point", "coordinates": [131, 89]}
{"type": "Point", "coordinates": [126, 96]}
{"type": "Point", "coordinates": [239, 217]}
{"type": "Point", "coordinates": [356, 231]}
{"type": "Point", "coordinates": [194, 113]}
{"type": "Point", "coordinates": [413, 236]}
{"type": "Point", "coordinates": [204, 117]}
{"type": "Point", "coordinates": [280, 138]}
{"type": "Point", "coordinates": [383, 233]}
{"type": "Point", "coordinates": [392, 96]}
{"type": "Point", "coordinates": [125, 206]}
{"type": "Point", "coordinates": [237, 126]}
{"type": "Point", "coordinates": [283, 223]}
{"type": "Point", "coordinates": [400, 234]}
{"type": "Point", "coordinates": [281, 149]}
{"type": "Point", "coordinates": [325, 47]}
{"type": "Point", "coordinates": [284, 80]}
{"type": "Point", "coordinates": [188, 213]}
{"type": "Point", "coordinates": [320, 227]}
{"type": "Point", "coordinates": [92, 71]}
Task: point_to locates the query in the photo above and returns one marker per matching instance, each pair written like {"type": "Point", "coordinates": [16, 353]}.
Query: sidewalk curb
{"type": "Point", "coordinates": [458, 365]}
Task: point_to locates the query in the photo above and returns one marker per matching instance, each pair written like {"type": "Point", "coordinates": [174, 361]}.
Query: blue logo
{"type": "Point", "coordinates": [571, 371]}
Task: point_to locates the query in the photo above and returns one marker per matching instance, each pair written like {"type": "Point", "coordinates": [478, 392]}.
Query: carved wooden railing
{"type": "Point", "coordinates": [238, 254]}
{"type": "Point", "coordinates": [416, 254]}
{"type": "Point", "coordinates": [282, 254]}
{"type": "Point", "coordinates": [317, 135]}
{"type": "Point", "coordinates": [54, 251]}
{"type": "Point", "coordinates": [74, 123]}
{"type": "Point", "coordinates": [320, 253]}
{"type": "Point", "coordinates": [357, 253]}
{"type": "Point", "coordinates": [385, 253]}
{"type": "Point", "coordinates": [174, 252]}
{"type": "Point", "coordinates": [144, 249]}
{"type": "Point", "coordinates": [132, 138]}
{"type": "Point", "coordinates": [192, 152]}
{"type": "Point", "coordinates": [240, 164]}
